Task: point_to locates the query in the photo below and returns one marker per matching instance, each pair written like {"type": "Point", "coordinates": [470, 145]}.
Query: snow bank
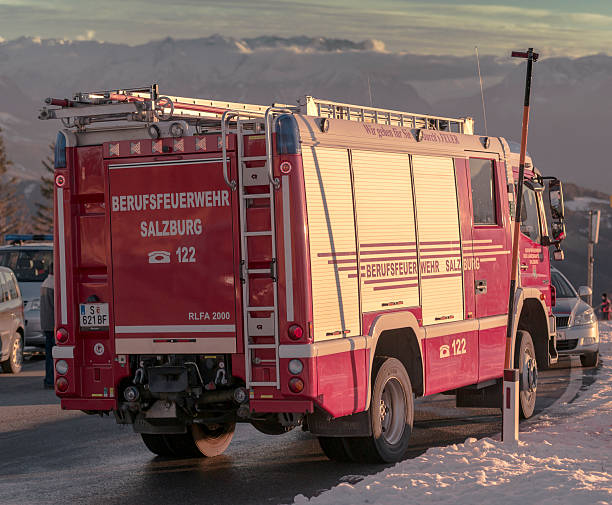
{"type": "Point", "coordinates": [584, 203]}
{"type": "Point", "coordinates": [563, 457]}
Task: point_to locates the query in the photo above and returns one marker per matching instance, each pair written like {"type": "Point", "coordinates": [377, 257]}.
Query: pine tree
{"type": "Point", "coordinates": [10, 210]}
{"type": "Point", "coordinates": [43, 219]}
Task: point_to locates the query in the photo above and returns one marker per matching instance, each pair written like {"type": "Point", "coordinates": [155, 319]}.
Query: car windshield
{"type": "Point", "coordinates": [564, 288]}
{"type": "Point", "coordinates": [29, 266]}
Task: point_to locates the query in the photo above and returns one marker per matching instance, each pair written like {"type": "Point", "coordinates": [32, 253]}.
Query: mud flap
{"type": "Point", "coordinates": [553, 355]}
{"type": "Point", "coordinates": [356, 425]}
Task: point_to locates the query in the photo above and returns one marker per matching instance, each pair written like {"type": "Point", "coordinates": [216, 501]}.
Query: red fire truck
{"type": "Point", "coordinates": [318, 265]}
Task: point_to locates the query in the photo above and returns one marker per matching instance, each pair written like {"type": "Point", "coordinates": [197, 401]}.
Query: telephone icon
{"type": "Point", "coordinates": [159, 257]}
{"type": "Point", "coordinates": [444, 351]}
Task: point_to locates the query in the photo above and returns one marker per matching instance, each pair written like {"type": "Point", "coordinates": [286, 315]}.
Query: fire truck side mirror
{"type": "Point", "coordinates": [555, 197]}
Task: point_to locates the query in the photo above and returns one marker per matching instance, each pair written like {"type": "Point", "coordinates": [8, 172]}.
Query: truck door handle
{"type": "Point", "coordinates": [481, 286]}
{"type": "Point", "coordinates": [524, 267]}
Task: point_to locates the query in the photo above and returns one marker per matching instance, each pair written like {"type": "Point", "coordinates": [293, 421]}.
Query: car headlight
{"type": "Point", "coordinates": [586, 317]}
{"type": "Point", "coordinates": [33, 304]}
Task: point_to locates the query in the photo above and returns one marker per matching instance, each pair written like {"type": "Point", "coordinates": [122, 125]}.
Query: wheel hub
{"type": "Point", "coordinates": [529, 377]}
{"type": "Point", "coordinates": [392, 411]}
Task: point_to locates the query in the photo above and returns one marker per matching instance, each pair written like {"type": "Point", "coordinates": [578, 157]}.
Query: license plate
{"type": "Point", "coordinates": [93, 316]}
{"type": "Point", "coordinates": [560, 335]}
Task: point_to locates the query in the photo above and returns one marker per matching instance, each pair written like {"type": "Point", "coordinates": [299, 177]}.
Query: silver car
{"type": "Point", "coordinates": [12, 327]}
{"type": "Point", "coordinates": [577, 327]}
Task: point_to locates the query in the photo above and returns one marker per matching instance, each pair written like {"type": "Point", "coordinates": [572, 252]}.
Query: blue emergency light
{"type": "Point", "coordinates": [15, 237]}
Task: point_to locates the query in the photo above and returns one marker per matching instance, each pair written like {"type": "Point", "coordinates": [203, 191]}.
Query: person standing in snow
{"type": "Point", "coordinates": [47, 325]}
{"type": "Point", "coordinates": [606, 307]}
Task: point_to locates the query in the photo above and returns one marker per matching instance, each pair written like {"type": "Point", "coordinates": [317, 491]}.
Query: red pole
{"type": "Point", "coordinates": [531, 57]}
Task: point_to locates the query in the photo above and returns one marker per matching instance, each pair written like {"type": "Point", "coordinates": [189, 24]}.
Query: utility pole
{"type": "Point", "coordinates": [511, 374]}
{"type": "Point", "coordinates": [594, 218]}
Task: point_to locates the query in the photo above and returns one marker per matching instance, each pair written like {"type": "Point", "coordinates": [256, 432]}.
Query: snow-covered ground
{"type": "Point", "coordinates": [564, 457]}
{"type": "Point", "coordinates": [584, 203]}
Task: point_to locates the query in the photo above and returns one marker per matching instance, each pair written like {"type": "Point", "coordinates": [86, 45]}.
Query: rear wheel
{"type": "Point", "coordinates": [525, 359]}
{"type": "Point", "coordinates": [590, 359]}
{"type": "Point", "coordinates": [14, 363]}
{"type": "Point", "coordinates": [334, 448]}
{"type": "Point", "coordinates": [391, 416]}
{"type": "Point", "coordinates": [156, 443]}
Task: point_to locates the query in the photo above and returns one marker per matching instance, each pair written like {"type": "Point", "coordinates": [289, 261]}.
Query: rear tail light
{"type": "Point", "coordinates": [296, 385]}
{"type": "Point", "coordinates": [61, 336]}
{"type": "Point", "coordinates": [295, 332]}
{"type": "Point", "coordinates": [61, 384]}
{"type": "Point", "coordinates": [61, 367]}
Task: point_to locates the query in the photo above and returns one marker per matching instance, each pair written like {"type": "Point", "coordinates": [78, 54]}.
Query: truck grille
{"type": "Point", "coordinates": [567, 345]}
{"type": "Point", "coordinates": [562, 321]}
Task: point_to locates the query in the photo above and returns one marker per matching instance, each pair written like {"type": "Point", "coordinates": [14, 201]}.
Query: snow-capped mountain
{"type": "Point", "coordinates": [568, 130]}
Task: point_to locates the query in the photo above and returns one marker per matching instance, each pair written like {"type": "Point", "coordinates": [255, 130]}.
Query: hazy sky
{"type": "Point", "coordinates": [559, 27]}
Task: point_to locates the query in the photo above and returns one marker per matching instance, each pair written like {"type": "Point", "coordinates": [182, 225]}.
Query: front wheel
{"type": "Point", "coordinates": [14, 363]}
{"type": "Point", "coordinates": [391, 416]}
{"type": "Point", "coordinates": [525, 360]}
{"type": "Point", "coordinates": [590, 359]}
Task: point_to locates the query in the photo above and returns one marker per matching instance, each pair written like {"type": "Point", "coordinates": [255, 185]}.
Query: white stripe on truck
{"type": "Point", "coordinates": [179, 328]}
{"type": "Point", "coordinates": [164, 163]}
{"type": "Point", "coordinates": [287, 244]}
{"type": "Point", "coordinates": [62, 256]}
{"type": "Point", "coordinates": [183, 345]}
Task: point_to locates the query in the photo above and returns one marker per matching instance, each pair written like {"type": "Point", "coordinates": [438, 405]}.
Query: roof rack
{"type": "Point", "coordinates": [337, 110]}
{"type": "Point", "coordinates": [145, 104]}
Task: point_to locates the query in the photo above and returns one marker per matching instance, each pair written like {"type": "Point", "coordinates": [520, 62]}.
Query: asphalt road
{"type": "Point", "coordinates": [50, 456]}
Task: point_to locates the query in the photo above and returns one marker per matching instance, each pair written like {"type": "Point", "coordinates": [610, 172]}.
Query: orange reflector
{"type": "Point", "coordinates": [296, 385]}
{"type": "Point", "coordinates": [61, 384]}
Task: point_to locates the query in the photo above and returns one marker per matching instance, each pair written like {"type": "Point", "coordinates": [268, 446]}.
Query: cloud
{"type": "Point", "coordinates": [89, 35]}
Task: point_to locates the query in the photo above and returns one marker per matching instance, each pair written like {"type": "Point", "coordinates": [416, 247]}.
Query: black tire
{"type": "Point", "coordinates": [156, 443]}
{"type": "Point", "coordinates": [590, 359]}
{"type": "Point", "coordinates": [391, 416]}
{"type": "Point", "coordinates": [182, 445]}
{"type": "Point", "coordinates": [526, 363]}
{"type": "Point", "coordinates": [270, 426]}
{"type": "Point", "coordinates": [335, 448]}
{"type": "Point", "coordinates": [14, 363]}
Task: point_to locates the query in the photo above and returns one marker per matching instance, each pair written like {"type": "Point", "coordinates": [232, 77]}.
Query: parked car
{"type": "Point", "coordinates": [577, 327]}
{"type": "Point", "coordinates": [29, 256]}
{"type": "Point", "coordinates": [12, 326]}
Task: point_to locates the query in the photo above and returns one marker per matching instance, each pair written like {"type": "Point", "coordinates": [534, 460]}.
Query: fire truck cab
{"type": "Point", "coordinates": [318, 265]}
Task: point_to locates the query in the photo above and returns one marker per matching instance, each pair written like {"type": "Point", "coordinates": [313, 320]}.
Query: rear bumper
{"type": "Point", "coordinates": [88, 404]}
{"type": "Point", "coordinates": [576, 340]}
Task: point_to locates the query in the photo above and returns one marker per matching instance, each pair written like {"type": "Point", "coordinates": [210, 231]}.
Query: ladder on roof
{"type": "Point", "coordinates": [326, 108]}
{"type": "Point", "coordinates": [256, 184]}
{"type": "Point", "coordinates": [145, 104]}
